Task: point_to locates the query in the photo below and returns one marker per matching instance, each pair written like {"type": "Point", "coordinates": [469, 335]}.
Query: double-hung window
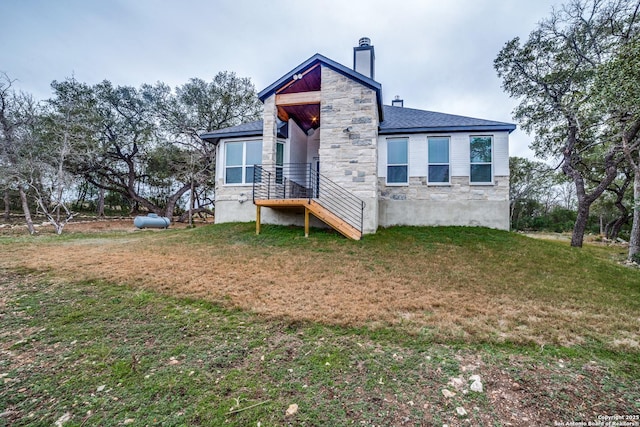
{"type": "Point", "coordinates": [397, 161]}
{"type": "Point", "coordinates": [240, 157]}
{"type": "Point", "coordinates": [438, 160]}
{"type": "Point", "coordinates": [481, 155]}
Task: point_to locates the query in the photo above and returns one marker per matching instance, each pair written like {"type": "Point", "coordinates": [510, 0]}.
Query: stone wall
{"type": "Point", "coordinates": [456, 204]}
{"type": "Point", "coordinates": [348, 141]}
{"type": "Point", "coordinates": [269, 131]}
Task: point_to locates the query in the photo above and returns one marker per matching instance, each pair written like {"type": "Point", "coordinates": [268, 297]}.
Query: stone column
{"type": "Point", "coordinates": [270, 131]}
{"type": "Point", "coordinates": [348, 141]}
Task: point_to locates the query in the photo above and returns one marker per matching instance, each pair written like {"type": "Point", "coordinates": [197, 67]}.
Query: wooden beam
{"type": "Point", "coordinates": [306, 221]}
{"type": "Point", "coordinates": [299, 98]}
{"type": "Point", "coordinates": [283, 115]}
{"type": "Point", "coordinates": [257, 219]}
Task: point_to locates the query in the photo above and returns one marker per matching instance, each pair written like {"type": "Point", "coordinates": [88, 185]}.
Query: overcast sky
{"type": "Point", "coordinates": [435, 54]}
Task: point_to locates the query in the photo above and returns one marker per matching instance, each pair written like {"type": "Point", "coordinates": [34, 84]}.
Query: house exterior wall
{"type": "Point", "coordinates": [348, 140]}
{"type": "Point", "coordinates": [458, 202]}
{"type": "Point", "coordinates": [455, 204]}
{"type": "Point", "coordinates": [297, 144]}
{"type": "Point", "coordinates": [354, 157]}
{"type": "Point", "coordinates": [233, 202]}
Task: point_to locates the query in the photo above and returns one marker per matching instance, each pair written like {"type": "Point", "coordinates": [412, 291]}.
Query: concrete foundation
{"type": "Point", "coordinates": [493, 214]}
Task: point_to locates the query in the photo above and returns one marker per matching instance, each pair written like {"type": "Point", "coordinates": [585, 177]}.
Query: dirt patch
{"type": "Point", "coordinates": [82, 225]}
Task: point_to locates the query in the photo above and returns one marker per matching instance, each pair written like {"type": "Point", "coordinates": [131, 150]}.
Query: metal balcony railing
{"type": "Point", "coordinates": [302, 181]}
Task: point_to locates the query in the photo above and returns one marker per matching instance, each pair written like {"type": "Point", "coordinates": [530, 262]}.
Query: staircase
{"type": "Point", "coordinates": [298, 185]}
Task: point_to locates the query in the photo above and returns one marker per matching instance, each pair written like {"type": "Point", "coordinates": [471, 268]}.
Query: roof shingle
{"type": "Point", "coordinates": [410, 120]}
{"type": "Point", "coordinates": [396, 120]}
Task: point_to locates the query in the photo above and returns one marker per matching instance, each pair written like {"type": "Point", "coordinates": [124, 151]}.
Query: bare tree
{"type": "Point", "coordinates": [17, 116]}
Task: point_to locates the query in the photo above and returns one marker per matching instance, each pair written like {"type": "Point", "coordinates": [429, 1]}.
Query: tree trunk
{"type": "Point", "coordinates": [171, 201]}
{"type": "Point", "coordinates": [27, 212]}
{"type": "Point", "coordinates": [581, 223]}
{"type": "Point", "coordinates": [197, 211]}
{"type": "Point", "coordinates": [82, 197]}
{"type": "Point", "coordinates": [191, 202]}
{"type": "Point", "coordinates": [585, 200]}
{"type": "Point", "coordinates": [634, 241]}
{"type": "Point", "coordinates": [512, 210]}
{"type": "Point", "coordinates": [601, 225]}
{"type": "Point", "coordinates": [612, 229]}
{"type": "Point", "coordinates": [100, 204]}
{"type": "Point", "coordinates": [7, 205]}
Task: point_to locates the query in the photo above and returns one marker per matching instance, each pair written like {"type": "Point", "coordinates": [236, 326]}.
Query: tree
{"type": "Point", "coordinates": [618, 88]}
{"type": "Point", "coordinates": [146, 145]}
{"type": "Point", "coordinates": [197, 107]}
{"type": "Point", "coordinates": [528, 181]}
{"type": "Point", "coordinates": [17, 117]}
{"type": "Point", "coordinates": [553, 74]}
{"type": "Point", "coordinates": [61, 128]}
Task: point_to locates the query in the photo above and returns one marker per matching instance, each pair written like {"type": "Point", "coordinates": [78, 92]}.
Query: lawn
{"type": "Point", "coordinates": [215, 325]}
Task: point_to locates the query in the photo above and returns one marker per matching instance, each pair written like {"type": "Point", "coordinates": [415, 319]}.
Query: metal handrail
{"type": "Point", "coordinates": [302, 181]}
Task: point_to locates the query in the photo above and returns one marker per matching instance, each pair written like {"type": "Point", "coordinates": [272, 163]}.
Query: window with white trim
{"type": "Point", "coordinates": [481, 170]}
{"type": "Point", "coordinates": [438, 147]}
{"type": "Point", "coordinates": [240, 157]}
{"type": "Point", "coordinates": [397, 161]}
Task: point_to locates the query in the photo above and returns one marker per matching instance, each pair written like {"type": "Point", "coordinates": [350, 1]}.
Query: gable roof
{"type": "Point", "coordinates": [335, 66]}
{"type": "Point", "coordinates": [410, 120]}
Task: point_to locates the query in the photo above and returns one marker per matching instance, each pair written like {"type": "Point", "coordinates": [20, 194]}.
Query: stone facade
{"type": "Point", "coordinates": [456, 204]}
{"type": "Point", "coordinates": [348, 141]}
{"type": "Point", "coordinates": [269, 131]}
{"type": "Point", "coordinates": [353, 156]}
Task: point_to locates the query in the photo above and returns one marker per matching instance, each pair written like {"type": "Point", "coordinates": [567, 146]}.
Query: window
{"type": "Point", "coordinates": [438, 159]}
{"type": "Point", "coordinates": [279, 162]}
{"type": "Point", "coordinates": [481, 171]}
{"type": "Point", "coordinates": [239, 161]}
{"type": "Point", "coordinates": [397, 161]}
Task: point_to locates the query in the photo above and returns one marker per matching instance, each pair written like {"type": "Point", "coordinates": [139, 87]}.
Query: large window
{"type": "Point", "coordinates": [481, 170]}
{"type": "Point", "coordinates": [239, 160]}
{"type": "Point", "coordinates": [398, 161]}
{"type": "Point", "coordinates": [438, 159]}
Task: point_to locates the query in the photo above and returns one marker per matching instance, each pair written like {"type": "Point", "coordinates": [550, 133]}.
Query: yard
{"type": "Point", "coordinates": [215, 325]}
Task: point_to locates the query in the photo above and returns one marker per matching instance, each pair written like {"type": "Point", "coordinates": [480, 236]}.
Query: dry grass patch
{"type": "Point", "coordinates": [95, 353]}
{"type": "Point", "coordinates": [461, 284]}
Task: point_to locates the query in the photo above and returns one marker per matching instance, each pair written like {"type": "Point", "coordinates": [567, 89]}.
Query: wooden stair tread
{"type": "Point", "coordinates": [334, 221]}
{"type": "Point", "coordinates": [320, 212]}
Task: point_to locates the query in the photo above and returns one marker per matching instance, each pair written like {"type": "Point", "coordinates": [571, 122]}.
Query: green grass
{"type": "Point", "coordinates": [108, 354]}
{"type": "Point", "coordinates": [105, 354]}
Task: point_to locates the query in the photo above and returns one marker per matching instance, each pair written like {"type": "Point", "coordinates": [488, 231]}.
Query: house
{"type": "Point", "coordinates": [328, 151]}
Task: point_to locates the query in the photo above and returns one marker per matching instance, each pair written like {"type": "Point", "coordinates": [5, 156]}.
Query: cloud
{"type": "Point", "coordinates": [436, 54]}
